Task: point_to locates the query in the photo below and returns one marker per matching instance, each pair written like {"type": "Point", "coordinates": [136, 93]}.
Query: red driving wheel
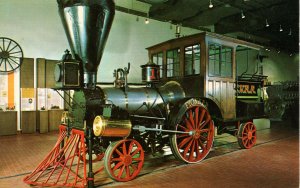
{"type": "Point", "coordinates": [247, 135]}
{"type": "Point", "coordinates": [124, 159]}
{"type": "Point", "coordinates": [194, 145]}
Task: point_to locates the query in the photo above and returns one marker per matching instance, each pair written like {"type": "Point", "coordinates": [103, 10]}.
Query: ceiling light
{"type": "Point", "coordinates": [290, 33]}
{"type": "Point", "coordinates": [210, 4]}
{"type": "Point", "coordinates": [178, 30]}
{"type": "Point", "coordinates": [242, 14]}
{"type": "Point", "coordinates": [146, 21]}
{"type": "Point", "coordinates": [227, 5]}
{"type": "Point", "coordinates": [280, 28]}
{"type": "Point", "coordinates": [267, 24]}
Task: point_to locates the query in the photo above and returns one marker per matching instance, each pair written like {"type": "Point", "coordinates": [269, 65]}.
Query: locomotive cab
{"type": "Point", "coordinates": [212, 68]}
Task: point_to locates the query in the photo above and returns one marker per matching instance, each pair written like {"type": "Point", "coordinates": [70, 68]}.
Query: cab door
{"type": "Point", "coordinates": [220, 74]}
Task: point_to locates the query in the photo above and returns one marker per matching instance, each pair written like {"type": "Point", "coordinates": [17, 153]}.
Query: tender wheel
{"type": "Point", "coordinates": [247, 135]}
{"type": "Point", "coordinates": [124, 159]}
{"type": "Point", "coordinates": [193, 146]}
{"type": "Point", "coordinates": [10, 55]}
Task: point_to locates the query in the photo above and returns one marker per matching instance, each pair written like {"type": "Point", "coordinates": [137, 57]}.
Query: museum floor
{"type": "Point", "coordinates": [273, 162]}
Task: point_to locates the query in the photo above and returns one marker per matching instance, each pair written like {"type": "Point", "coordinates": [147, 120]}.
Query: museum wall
{"type": "Point", "coordinates": [277, 66]}
{"type": "Point", "coordinates": [36, 26]}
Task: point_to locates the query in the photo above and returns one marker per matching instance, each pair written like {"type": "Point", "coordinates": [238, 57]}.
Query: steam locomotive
{"type": "Point", "coordinates": [120, 123]}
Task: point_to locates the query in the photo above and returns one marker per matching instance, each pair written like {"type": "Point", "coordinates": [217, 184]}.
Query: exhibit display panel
{"type": "Point", "coordinates": [8, 123]}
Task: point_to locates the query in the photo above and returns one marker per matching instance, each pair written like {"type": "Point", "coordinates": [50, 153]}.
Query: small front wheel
{"type": "Point", "coordinates": [247, 135]}
{"type": "Point", "coordinates": [124, 159]}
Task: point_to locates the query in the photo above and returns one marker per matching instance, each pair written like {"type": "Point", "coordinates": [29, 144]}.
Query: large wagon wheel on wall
{"type": "Point", "coordinates": [11, 55]}
{"type": "Point", "coordinates": [194, 145]}
{"type": "Point", "coordinates": [124, 159]}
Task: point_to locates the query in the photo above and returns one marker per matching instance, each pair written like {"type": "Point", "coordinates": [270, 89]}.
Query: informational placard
{"type": "Point", "coordinates": [42, 99]}
{"type": "Point", "coordinates": [27, 99]}
{"type": "Point", "coordinates": [3, 91]}
{"type": "Point", "coordinates": [54, 100]}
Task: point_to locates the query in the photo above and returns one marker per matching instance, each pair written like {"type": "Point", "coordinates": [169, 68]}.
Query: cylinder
{"type": "Point", "coordinates": [106, 127]}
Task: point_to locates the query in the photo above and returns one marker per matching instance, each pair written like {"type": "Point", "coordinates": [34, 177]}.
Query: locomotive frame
{"type": "Point", "coordinates": [179, 106]}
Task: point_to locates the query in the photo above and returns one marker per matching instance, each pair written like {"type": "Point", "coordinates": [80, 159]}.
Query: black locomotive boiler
{"type": "Point", "coordinates": [190, 90]}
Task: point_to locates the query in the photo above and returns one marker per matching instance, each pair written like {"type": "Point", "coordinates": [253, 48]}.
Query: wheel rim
{"type": "Point", "coordinates": [10, 55]}
{"type": "Point", "coordinates": [124, 160]}
{"type": "Point", "coordinates": [196, 144]}
{"type": "Point", "coordinates": [248, 136]}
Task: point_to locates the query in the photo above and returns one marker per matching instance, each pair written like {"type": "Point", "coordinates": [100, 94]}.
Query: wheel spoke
{"type": "Point", "coordinates": [1, 62]}
{"type": "Point", "coordinates": [196, 117]}
{"type": "Point", "coordinates": [137, 159]}
{"type": "Point", "coordinates": [3, 43]}
{"type": "Point", "coordinates": [130, 147]}
{"type": "Point", "coordinates": [251, 126]}
{"type": "Point", "coordinates": [204, 123]}
{"type": "Point", "coordinates": [133, 167]}
{"type": "Point", "coordinates": [201, 144]}
{"type": "Point", "coordinates": [118, 165]}
{"type": "Point", "coordinates": [10, 65]}
{"type": "Point", "coordinates": [184, 142]}
{"type": "Point", "coordinates": [182, 135]}
{"type": "Point", "coordinates": [15, 52]}
{"type": "Point", "coordinates": [182, 127]}
{"type": "Point", "coordinates": [187, 148]}
{"type": "Point", "coordinates": [16, 57]}
{"type": "Point", "coordinates": [188, 124]}
{"type": "Point", "coordinates": [13, 48]}
{"type": "Point", "coordinates": [197, 148]}
{"type": "Point", "coordinates": [8, 45]}
{"type": "Point", "coordinates": [192, 150]}
{"type": "Point", "coordinates": [127, 172]}
{"type": "Point", "coordinates": [1, 48]}
{"type": "Point", "coordinates": [118, 152]}
{"type": "Point", "coordinates": [203, 138]}
{"type": "Point", "coordinates": [14, 61]}
{"type": "Point", "coordinates": [116, 159]}
{"type": "Point", "coordinates": [121, 171]}
{"type": "Point", "coordinates": [201, 118]}
{"type": "Point", "coordinates": [124, 148]}
{"type": "Point", "coordinates": [191, 118]}
{"type": "Point", "coordinates": [5, 65]}
{"type": "Point", "coordinates": [135, 152]}
{"type": "Point", "coordinates": [204, 130]}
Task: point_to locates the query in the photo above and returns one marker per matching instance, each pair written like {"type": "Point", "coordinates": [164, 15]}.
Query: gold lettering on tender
{"type": "Point", "coordinates": [246, 88]}
{"type": "Point", "coordinates": [253, 89]}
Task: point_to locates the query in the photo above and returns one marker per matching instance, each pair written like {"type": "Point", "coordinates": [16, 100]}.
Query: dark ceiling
{"type": "Point", "coordinates": [225, 16]}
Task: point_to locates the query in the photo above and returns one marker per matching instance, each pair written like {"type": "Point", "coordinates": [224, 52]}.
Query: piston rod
{"type": "Point", "coordinates": [143, 129]}
{"type": "Point", "coordinates": [148, 117]}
